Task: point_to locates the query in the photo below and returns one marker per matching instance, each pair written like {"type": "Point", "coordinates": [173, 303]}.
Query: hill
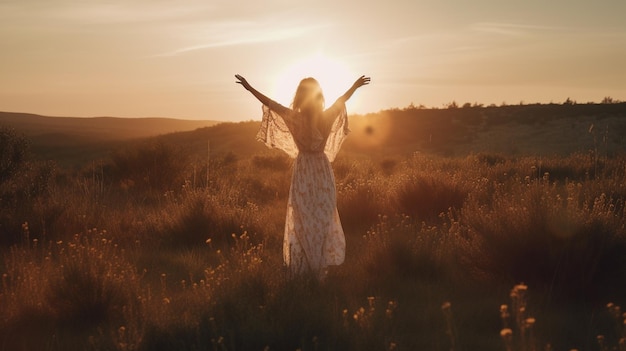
{"type": "Point", "coordinates": [538, 129]}
{"type": "Point", "coordinates": [73, 140]}
{"type": "Point", "coordinates": [514, 130]}
{"type": "Point", "coordinates": [520, 130]}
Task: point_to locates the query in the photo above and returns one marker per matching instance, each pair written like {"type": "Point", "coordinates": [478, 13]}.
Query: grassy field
{"type": "Point", "coordinates": [159, 247]}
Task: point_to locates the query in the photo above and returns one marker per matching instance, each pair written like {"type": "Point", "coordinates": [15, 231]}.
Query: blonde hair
{"type": "Point", "coordinates": [309, 98]}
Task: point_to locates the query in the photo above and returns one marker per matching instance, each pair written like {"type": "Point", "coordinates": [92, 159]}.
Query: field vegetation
{"type": "Point", "coordinates": [453, 242]}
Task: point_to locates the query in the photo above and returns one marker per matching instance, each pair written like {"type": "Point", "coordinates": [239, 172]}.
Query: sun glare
{"type": "Point", "coordinates": [334, 77]}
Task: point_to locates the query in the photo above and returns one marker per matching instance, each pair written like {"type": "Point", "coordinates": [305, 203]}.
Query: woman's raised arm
{"type": "Point", "coordinates": [262, 98]}
{"type": "Point", "coordinates": [361, 81]}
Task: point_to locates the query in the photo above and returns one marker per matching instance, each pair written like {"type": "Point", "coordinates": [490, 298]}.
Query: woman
{"type": "Point", "coordinates": [312, 135]}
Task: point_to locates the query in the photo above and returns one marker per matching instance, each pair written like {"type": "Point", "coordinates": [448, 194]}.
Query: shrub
{"type": "Point", "coordinates": [535, 237]}
{"type": "Point", "coordinates": [198, 215]}
{"type": "Point", "coordinates": [425, 197]}
{"type": "Point", "coordinates": [153, 165]}
{"type": "Point", "coordinates": [79, 294]}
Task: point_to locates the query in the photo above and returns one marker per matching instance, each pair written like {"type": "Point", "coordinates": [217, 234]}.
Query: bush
{"type": "Point", "coordinates": [536, 237]}
{"type": "Point", "coordinates": [425, 197]}
{"type": "Point", "coordinates": [78, 295]}
{"type": "Point", "coordinates": [197, 216]}
{"type": "Point", "coordinates": [153, 165]}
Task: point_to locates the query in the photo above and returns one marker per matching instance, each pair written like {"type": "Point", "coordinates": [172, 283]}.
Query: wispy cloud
{"type": "Point", "coordinates": [241, 33]}
{"type": "Point", "coordinates": [511, 29]}
{"type": "Point", "coordinates": [94, 12]}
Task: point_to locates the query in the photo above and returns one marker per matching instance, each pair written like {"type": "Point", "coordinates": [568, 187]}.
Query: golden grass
{"type": "Point", "coordinates": [434, 246]}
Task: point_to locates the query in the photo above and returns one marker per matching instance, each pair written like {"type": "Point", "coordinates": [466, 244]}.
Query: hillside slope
{"type": "Point", "coordinates": [102, 128]}
{"type": "Point", "coordinates": [74, 140]}
{"type": "Point", "coordinates": [541, 130]}
{"type": "Point", "coordinates": [515, 130]}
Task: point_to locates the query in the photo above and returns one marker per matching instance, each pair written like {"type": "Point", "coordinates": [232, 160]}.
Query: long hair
{"type": "Point", "coordinates": [309, 98]}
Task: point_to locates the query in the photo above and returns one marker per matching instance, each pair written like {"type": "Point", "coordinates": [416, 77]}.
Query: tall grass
{"type": "Point", "coordinates": [434, 246]}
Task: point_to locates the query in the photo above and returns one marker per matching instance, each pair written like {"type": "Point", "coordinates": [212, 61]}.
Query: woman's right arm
{"type": "Point", "coordinates": [257, 94]}
{"type": "Point", "coordinates": [284, 112]}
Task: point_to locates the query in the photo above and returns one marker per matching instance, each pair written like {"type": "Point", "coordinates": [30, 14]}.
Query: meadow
{"type": "Point", "coordinates": [175, 243]}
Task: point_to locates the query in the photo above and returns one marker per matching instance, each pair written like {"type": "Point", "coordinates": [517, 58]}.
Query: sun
{"type": "Point", "coordinates": [332, 74]}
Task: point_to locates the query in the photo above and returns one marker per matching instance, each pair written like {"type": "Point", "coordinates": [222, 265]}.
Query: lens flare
{"type": "Point", "coordinates": [334, 77]}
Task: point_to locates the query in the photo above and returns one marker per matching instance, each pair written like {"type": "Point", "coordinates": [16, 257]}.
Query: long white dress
{"type": "Point", "coordinates": [313, 237]}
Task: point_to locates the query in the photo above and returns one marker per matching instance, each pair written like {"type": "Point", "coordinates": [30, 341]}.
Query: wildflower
{"type": "Point", "coordinates": [391, 306]}
{"type": "Point", "coordinates": [371, 300]}
{"type": "Point", "coordinates": [520, 287]}
{"type": "Point", "coordinates": [121, 330]}
{"type": "Point", "coordinates": [506, 333]}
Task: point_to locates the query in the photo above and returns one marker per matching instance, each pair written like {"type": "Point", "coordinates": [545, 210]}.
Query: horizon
{"type": "Point", "coordinates": [457, 105]}
{"type": "Point", "coordinates": [101, 59]}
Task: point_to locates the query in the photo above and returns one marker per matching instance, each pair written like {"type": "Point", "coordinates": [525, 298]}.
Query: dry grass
{"type": "Point", "coordinates": [434, 246]}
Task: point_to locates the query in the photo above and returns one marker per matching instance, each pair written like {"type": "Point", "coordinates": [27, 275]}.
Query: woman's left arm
{"type": "Point", "coordinates": [361, 81]}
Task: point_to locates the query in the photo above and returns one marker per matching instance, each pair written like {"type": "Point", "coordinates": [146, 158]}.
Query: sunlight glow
{"type": "Point", "coordinates": [334, 77]}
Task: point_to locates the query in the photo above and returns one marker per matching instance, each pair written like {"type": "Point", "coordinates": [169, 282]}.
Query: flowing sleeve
{"type": "Point", "coordinates": [275, 131]}
{"type": "Point", "coordinates": [338, 131]}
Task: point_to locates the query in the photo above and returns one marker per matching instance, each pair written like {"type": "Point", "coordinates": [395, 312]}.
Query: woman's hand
{"type": "Point", "coordinates": [361, 81]}
{"type": "Point", "coordinates": [241, 80]}
{"type": "Point", "coordinates": [264, 99]}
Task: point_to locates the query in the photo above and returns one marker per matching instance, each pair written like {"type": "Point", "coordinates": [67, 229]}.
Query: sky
{"type": "Point", "coordinates": [158, 58]}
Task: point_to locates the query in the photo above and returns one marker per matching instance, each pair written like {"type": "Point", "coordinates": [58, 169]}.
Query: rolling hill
{"type": "Point", "coordinates": [100, 128]}
{"type": "Point", "coordinates": [74, 140]}
{"type": "Point", "coordinates": [515, 130]}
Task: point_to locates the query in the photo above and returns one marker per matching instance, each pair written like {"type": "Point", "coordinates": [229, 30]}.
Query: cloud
{"type": "Point", "coordinates": [511, 29]}
{"type": "Point", "coordinates": [241, 33]}
{"type": "Point", "coordinates": [77, 12]}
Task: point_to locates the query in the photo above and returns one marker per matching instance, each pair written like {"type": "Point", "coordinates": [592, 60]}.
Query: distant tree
{"type": "Point", "coordinates": [569, 101]}
{"type": "Point", "coordinates": [412, 106]}
{"type": "Point", "coordinates": [467, 105]}
{"type": "Point", "coordinates": [610, 100]}
{"type": "Point", "coordinates": [452, 105]}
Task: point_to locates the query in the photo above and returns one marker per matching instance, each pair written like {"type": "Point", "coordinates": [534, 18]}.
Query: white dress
{"type": "Point", "coordinates": [313, 236]}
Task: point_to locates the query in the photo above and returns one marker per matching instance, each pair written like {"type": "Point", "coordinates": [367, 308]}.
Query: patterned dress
{"type": "Point", "coordinates": [313, 236]}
